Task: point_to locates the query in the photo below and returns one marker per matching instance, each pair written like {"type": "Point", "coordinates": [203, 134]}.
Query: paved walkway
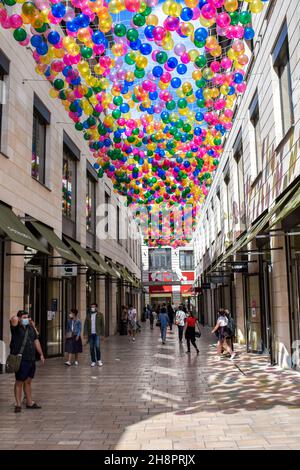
{"type": "Point", "coordinates": [153, 396]}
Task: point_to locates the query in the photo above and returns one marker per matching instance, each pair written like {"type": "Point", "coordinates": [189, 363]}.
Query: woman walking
{"type": "Point", "coordinates": [132, 322]}
{"type": "Point", "coordinates": [164, 321]}
{"type": "Point", "coordinates": [190, 332]}
{"type": "Point", "coordinates": [220, 331]}
{"type": "Point", "coordinates": [73, 337]}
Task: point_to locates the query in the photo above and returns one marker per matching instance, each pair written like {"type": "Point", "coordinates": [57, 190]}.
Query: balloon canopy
{"type": "Point", "coordinates": [150, 85]}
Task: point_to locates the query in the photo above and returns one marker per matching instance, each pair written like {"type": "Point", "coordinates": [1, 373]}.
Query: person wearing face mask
{"type": "Point", "coordinates": [93, 329]}
{"type": "Point", "coordinates": [24, 337]}
{"type": "Point", "coordinates": [73, 338]}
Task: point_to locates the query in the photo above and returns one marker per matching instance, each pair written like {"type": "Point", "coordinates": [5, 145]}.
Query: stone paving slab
{"type": "Point", "coordinates": [156, 397]}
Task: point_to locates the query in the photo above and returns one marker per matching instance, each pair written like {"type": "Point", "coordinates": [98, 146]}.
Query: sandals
{"type": "Point", "coordinates": [34, 406]}
{"type": "Point", "coordinates": [18, 409]}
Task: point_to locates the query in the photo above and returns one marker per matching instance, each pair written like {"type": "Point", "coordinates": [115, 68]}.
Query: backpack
{"type": "Point", "coordinates": [230, 328]}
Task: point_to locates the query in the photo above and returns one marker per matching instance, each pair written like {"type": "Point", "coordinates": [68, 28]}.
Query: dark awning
{"type": "Point", "coordinates": [84, 255]}
{"type": "Point", "coordinates": [287, 209]}
{"type": "Point", "coordinates": [101, 261]}
{"type": "Point", "coordinates": [16, 231]}
{"type": "Point", "coordinates": [57, 244]}
{"type": "Point", "coordinates": [116, 270]}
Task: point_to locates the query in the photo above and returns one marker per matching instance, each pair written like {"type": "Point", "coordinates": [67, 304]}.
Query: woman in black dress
{"type": "Point", "coordinates": [73, 337]}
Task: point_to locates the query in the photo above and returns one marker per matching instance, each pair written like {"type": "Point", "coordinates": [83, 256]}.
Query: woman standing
{"type": "Point", "coordinates": [190, 332]}
{"type": "Point", "coordinates": [73, 337]}
{"type": "Point", "coordinates": [132, 326]}
{"type": "Point", "coordinates": [220, 330]}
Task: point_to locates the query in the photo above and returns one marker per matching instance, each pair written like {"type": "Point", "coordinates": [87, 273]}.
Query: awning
{"type": "Point", "coordinates": [16, 231]}
{"type": "Point", "coordinates": [260, 224]}
{"type": "Point", "coordinates": [84, 255]}
{"type": "Point", "coordinates": [290, 206]}
{"type": "Point", "coordinates": [57, 244]}
{"type": "Point", "coordinates": [116, 270]}
{"type": "Point", "coordinates": [106, 269]}
{"type": "Point", "coordinates": [126, 276]}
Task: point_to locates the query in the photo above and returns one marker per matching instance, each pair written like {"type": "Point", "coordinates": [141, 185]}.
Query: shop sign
{"type": "Point", "coordinates": [239, 267]}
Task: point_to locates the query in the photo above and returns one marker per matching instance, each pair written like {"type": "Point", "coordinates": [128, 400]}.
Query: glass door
{"type": "Point", "coordinates": [294, 289]}
{"type": "Point", "coordinates": [33, 302]}
{"type": "Point", "coordinates": [253, 315]}
{"type": "Point", "coordinates": [54, 319]}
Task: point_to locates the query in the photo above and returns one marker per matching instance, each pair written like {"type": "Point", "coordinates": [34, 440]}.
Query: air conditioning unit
{"type": "Point", "coordinates": [68, 271]}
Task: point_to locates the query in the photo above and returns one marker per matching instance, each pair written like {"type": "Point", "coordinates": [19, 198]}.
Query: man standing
{"type": "Point", "coordinates": [93, 329]}
{"type": "Point", "coordinates": [24, 337]}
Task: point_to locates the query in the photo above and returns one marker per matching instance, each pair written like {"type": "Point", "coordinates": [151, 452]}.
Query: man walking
{"type": "Point", "coordinates": [170, 315]}
{"type": "Point", "coordinates": [93, 329]}
{"type": "Point", "coordinates": [164, 320]}
{"type": "Point", "coordinates": [24, 340]}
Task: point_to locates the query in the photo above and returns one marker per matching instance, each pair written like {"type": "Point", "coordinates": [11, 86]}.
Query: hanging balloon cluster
{"type": "Point", "coordinates": [153, 99]}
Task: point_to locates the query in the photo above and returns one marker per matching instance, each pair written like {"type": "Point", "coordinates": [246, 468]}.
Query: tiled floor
{"type": "Point", "coordinates": [153, 396]}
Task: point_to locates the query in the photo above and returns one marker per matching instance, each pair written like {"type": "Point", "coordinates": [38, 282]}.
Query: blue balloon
{"type": "Point", "coordinates": [201, 34]}
{"type": "Point", "coordinates": [53, 37]}
{"type": "Point", "coordinates": [249, 33]}
{"type": "Point", "coordinates": [186, 14]}
{"type": "Point", "coordinates": [172, 62]}
{"type": "Point", "coordinates": [58, 10]}
{"type": "Point", "coordinates": [238, 78]}
{"type": "Point", "coordinates": [199, 116]}
{"type": "Point", "coordinates": [42, 49]}
{"type": "Point", "coordinates": [124, 108]}
{"type": "Point", "coordinates": [181, 69]}
{"type": "Point", "coordinates": [148, 31]}
{"type": "Point", "coordinates": [153, 95]}
{"type": "Point", "coordinates": [157, 71]}
{"type": "Point", "coordinates": [36, 40]}
{"type": "Point", "coordinates": [175, 82]}
{"type": "Point", "coordinates": [145, 48]}
{"type": "Point", "coordinates": [98, 37]}
{"type": "Point", "coordinates": [135, 45]}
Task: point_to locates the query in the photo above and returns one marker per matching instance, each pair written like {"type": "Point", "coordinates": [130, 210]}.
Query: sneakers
{"type": "Point", "coordinates": [76, 363]}
{"type": "Point", "coordinates": [100, 363]}
{"type": "Point", "coordinates": [93, 364]}
{"type": "Point", "coordinates": [133, 339]}
{"type": "Point", "coordinates": [232, 356]}
{"type": "Point", "coordinates": [68, 363]}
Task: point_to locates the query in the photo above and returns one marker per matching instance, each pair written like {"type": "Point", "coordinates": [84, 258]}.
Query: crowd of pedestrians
{"type": "Point", "coordinates": [25, 345]}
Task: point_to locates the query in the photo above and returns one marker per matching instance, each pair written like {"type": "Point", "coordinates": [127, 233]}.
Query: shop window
{"type": "Point", "coordinates": [118, 225]}
{"type": "Point", "coordinates": [1, 286]}
{"type": "Point", "coordinates": [69, 186]}
{"type": "Point", "coordinates": [238, 157]}
{"type": "Point", "coordinates": [160, 259]}
{"type": "Point", "coordinates": [186, 260]}
{"type": "Point", "coordinates": [4, 71]}
{"type": "Point", "coordinates": [90, 207]}
{"type": "Point", "coordinates": [283, 94]}
{"type": "Point", "coordinates": [255, 130]}
{"type": "Point", "coordinates": [41, 119]}
{"type": "Point", "coordinates": [107, 203]}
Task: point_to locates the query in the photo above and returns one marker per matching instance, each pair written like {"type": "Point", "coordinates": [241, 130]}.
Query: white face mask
{"type": "Point", "coordinates": [93, 309]}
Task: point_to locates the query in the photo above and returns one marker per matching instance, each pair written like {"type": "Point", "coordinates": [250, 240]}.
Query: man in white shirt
{"type": "Point", "coordinates": [180, 320]}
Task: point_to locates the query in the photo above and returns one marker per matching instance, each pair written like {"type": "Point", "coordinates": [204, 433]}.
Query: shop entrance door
{"type": "Point", "coordinates": [55, 319]}
{"type": "Point", "coordinates": [258, 316]}
{"type": "Point", "coordinates": [33, 300]}
{"type": "Point", "coordinates": [107, 304]}
{"type": "Point", "coordinates": [294, 288]}
{"type": "Point", "coordinates": [253, 314]}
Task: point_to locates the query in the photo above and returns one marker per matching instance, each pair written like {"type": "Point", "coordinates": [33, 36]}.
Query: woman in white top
{"type": "Point", "coordinates": [180, 321]}
{"type": "Point", "coordinates": [220, 330]}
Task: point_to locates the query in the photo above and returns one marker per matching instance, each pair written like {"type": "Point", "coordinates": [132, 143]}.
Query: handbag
{"type": "Point", "coordinates": [197, 334]}
{"type": "Point", "coordinates": [13, 361]}
{"type": "Point", "coordinates": [69, 334]}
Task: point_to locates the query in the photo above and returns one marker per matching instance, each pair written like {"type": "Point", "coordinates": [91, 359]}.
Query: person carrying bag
{"type": "Point", "coordinates": [13, 361]}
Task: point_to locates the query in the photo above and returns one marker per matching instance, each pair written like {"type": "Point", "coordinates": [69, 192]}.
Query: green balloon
{"type": "Point", "coordinates": [20, 34]}
{"type": "Point", "coordinates": [78, 126]}
{"type": "Point", "coordinates": [170, 105]}
{"type": "Point", "coordinates": [118, 100]}
{"type": "Point", "coordinates": [161, 57]}
{"type": "Point", "coordinates": [182, 103]}
{"type": "Point", "coordinates": [42, 29]}
{"type": "Point", "coordinates": [132, 35]}
{"type": "Point", "coordinates": [120, 30]}
{"type": "Point", "coordinates": [9, 2]}
{"type": "Point", "coordinates": [58, 83]}
{"type": "Point", "coordinates": [147, 11]}
{"type": "Point", "coordinates": [245, 17]}
{"type": "Point", "coordinates": [139, 73]}
{"type": "Point", "coordinates": [116, 114]}
{"type": "Point", "coordinates": [86, 52]}
{"type": "Point", "coordinates": [234, 17]}
{"type": "Point", "coordinates": [201, 61]}
{"type": "Point", "coordinates": [139, 19]}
